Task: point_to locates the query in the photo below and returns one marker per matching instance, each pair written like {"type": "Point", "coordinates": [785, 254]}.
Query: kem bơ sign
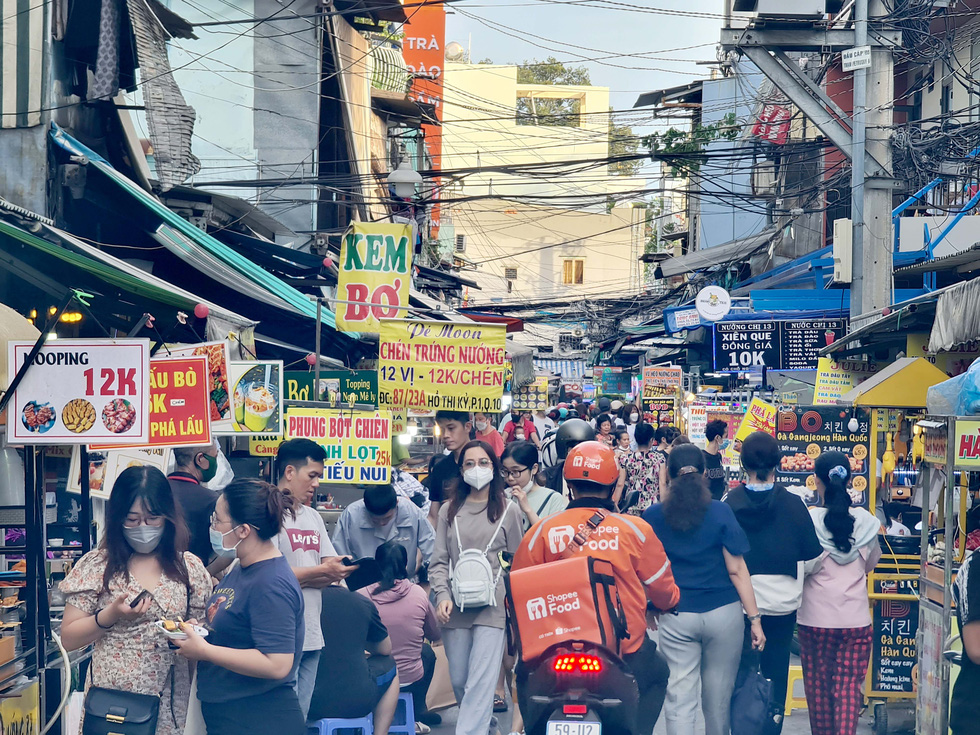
{"type": "Point", "coordinates": [375, 275]}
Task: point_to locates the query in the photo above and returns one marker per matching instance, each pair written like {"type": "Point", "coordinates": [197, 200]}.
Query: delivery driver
{"type": "Point", "coordinates": [641, 566]}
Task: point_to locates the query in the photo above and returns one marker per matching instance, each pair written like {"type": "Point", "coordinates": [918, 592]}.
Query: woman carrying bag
{"type": "Point", "coordinates": [140, 573]}
{"type": "Point", "coordinates": [474, 527]}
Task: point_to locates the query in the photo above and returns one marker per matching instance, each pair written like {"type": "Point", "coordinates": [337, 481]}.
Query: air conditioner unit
{"type": "Point", "coordinates": [460, 243]}
{"type": "Point", "coordinates": [510, 273]}
{"type": "Point", "coordinates": [843, 241]}
{"type": "Point", "coordinates": [788, 8]}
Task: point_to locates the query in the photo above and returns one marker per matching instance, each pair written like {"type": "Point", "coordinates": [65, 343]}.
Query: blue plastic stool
{"type": "Point", "coordinates": [337, 726]}
{"type": "Point", "coordinates": [404, 720]}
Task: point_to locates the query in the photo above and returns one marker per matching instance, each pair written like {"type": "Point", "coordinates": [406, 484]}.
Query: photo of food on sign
{"type": "Point", "coordinates": [218, 368]}
{"type": "Point", "coordinates": [256, 399]}
{"type": "Point", "coordinates": [805, 432]}
{"type": "Point", "coordinates": [38, 417]}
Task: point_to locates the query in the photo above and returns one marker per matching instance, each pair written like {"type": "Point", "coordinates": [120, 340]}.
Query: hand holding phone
{"type": "Point", "coordinates": [138, 599]}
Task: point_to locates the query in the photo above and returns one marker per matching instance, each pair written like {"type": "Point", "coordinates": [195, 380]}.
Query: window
{"type": "Point", "coordinates": [510, 273]}
{"type": "Point", "coordinates": [460, 243]}
{"type": "Point", "coordinates": [572, 271]}
{"type": "Point", "coordinates": [569, 342]}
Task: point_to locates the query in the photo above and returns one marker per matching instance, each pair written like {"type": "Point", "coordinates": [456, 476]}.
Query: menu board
{"type": "Point", "coordinates": [805, 432]}
{"type": "Point", "coordinates": [894, 626]}
{"type": "Point", "coordinates": [533, 396]}
{"type": "Point", "coordinates": [778, 345]}
{"type": "Point", "coordinates": [660, 405]}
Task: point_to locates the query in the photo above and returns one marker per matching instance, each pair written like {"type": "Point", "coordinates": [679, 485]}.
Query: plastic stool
{"type": "Point", "coordinates": [792, 701]}
{"type": "Point", "coordinates": [404, 720]}
{"type": "Point", "coordinates": [337, 726]}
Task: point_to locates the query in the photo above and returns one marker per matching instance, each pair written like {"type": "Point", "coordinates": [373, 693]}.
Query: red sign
{"type": "Point", "coordinates": [180, 413]}
{"type": "Point", "coordinates": [773, 124]}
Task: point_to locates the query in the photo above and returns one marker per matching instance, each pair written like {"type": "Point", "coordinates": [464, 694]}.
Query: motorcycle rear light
{"type": "Point", "coordinates": [578, 663]}
{"type": "Point", "coordinates": [575, 709]}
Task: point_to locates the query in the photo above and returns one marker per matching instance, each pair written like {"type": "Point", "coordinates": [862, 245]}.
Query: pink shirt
{"type": "Point", "coordinates": [836, 595]}
{"type": "Point", "coordinates": [408, 615]}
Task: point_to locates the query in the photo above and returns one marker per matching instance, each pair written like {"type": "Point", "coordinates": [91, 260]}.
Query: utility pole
{"type": "Point", "coordinates": [859, 103]}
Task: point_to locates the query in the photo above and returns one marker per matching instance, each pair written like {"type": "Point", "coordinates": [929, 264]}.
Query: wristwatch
{"type": "Point", "coordinates": [753, 618]}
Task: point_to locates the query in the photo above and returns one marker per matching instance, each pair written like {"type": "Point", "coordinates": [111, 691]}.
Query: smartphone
{"type": "Point", "coordinates": [139, 598]}
{"type": "Point", "coordinates": [348, 562]}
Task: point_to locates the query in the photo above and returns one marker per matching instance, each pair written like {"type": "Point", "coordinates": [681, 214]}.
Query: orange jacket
{"type": "Point", "coordinates": [628, 543]}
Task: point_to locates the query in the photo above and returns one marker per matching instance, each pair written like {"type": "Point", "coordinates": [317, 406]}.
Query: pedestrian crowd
{"type": "Point", "coordinates": [273, 638]}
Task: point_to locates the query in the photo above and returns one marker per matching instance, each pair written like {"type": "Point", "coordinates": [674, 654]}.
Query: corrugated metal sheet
{"type": "Point", "coordinates": [21, 62]}
{"type": "Point", "coordinates": [568, 369]}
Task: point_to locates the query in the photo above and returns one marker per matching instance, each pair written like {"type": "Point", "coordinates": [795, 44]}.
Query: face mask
{"type": "Point", "coordinates": [143, 539]}
{"type": "Point", "coordinates": [724, 445]}
{"type": "Point", "coordinates": [218, 543]}
{"type": "Point", "coordinates": [481, 425]}
{"type": "Point", "coordinates": [634, 417]}
{"type": "Point", "coordinates": [759, 487]}
{"type": "Point", "coordinates": [478, 477]}
{"type": "Point", "coordinates": [527, 488]}
{"type": "Point", "coordinates": [208, 474]}
{"type": "Point", "coordinates": [519, 436]}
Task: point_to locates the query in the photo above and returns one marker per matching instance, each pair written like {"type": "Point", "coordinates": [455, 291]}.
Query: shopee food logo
{"type": "Point", "coordinates": [536, 608]}
{"type": "Point", "coordinates": [560, 537]}
{"type": "Point", "coordinates": [589, 463]}
{"type": "Point", "coordinates": [541, 607]}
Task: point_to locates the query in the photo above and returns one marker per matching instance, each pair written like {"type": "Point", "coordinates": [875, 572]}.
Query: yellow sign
{"type": "Point", "coordinates": [264, 445]}
{"type": "Point", "coordinates": [374, 275]}
{"type": "Point", "coordinates": [449, 366]}
{"type": "Point", "coordinates": [21, 714]}
{"type": "Point", "coordinates": [760, 416]}
{"type": "Point", "coordinates": [358, 443]}
{"type": "Point", "coordinates": [967, 444]}
{"type": "Point", "coordinates": [532, 396]}
{"type": "Point", "coordinates": [953, 363]}
{"type": "Point", "coordinates": [837, 378]}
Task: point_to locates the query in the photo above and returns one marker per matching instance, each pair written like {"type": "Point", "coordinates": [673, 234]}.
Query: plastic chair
{"type": "Point", "coordinates": [792, 701]}
{"type": "Point", "coordinates": [337, 726]}
{"type": "Point", "coordinates": [404, 720]}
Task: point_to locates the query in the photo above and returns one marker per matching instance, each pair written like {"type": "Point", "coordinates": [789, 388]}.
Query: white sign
{"type": "Point", "coordinates": [713, 303]}
{"type": "Point", "coordinates": [81, 392]}
{"type": "Point", "coordinates": [858, 57]}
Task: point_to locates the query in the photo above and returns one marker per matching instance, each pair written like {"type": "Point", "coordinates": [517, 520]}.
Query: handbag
{"type": "Point", "coordinates": [751, 708]}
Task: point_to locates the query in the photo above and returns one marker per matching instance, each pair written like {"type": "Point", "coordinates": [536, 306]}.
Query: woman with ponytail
{"type": "Point", "coordinates": [247, 663]}
{"type": "Point", "coordinates": [834, 619]}
{"type": "Point", "coordinates": [702, 642]}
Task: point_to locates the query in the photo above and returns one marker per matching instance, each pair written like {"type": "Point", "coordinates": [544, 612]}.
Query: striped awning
{"type": "Point", "coordinates": [568, 369]}
{"type": "Point", "coordinates": [21, 63]}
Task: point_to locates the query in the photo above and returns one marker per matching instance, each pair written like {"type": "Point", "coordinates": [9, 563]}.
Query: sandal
{"type": "Point", "coordinates": [421, 728]}
{"type": "Point", "coordinates": [499, 704]}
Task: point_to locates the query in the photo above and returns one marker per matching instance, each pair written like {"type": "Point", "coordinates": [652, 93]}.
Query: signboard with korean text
{"type": "Point", "coordinates": [449, 366]}
{"type": "Point", "coordinates": [894, 624]}
{"type": "Point", "coordinates": [805, 432]}
{"type": "Point", "coordinates": [179, 403]}
{"type": "Point", "coordinates": [256, 390]}
{"type": "Point", "coordinates": [218, 359]}
{"type": "Point", "coordinates": [374, 275]}
{"type": "Point", "coordinates": [967, 446]}
{"type": "Point", "coordinates": [533, 396]}
{"type": "Point", "coordinates": [778, 345]}
{"type": "Point", "coordinates": [836, 378]}
{"type": "Point", "coordinates": [80, 391]}
{"type": "Point", "coordinates": [337, 387]}
{"type": "Point", "coordinates": [357, 443]}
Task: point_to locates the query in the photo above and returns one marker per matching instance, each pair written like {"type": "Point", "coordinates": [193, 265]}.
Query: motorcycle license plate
{"type": "Point", "coordinates": [570, 727]}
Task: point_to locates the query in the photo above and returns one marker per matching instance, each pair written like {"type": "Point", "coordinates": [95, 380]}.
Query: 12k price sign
{"type": "Point", "coordinates": [358, 445]}
{"type": "Point", "coordinates": [435, 366]}
{"type": "Point", "coordinates": [77, 391]}
{"type": "Point", "coordinates": [180, 412]}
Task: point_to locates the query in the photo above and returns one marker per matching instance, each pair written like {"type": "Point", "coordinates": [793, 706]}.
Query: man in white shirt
{"type": "Point", "coordinates": [304, 543]}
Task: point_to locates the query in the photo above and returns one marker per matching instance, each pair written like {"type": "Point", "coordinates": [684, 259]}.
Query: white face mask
{"type": "Point", "coordinates": [478, 477]}
{"type": "Point", "coordinates": [530, 484]}
{"type": "Point", "coordinates": [634, 417]}
{"type": "Point", "coordinates": [481, 425]}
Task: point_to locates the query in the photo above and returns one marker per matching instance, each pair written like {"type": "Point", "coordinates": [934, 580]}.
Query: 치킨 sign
{"type": "Point", "coordinates": [435, 366]}
{"type": "Point", "coordinates": [77, 391]}
{"type": "Point", "coordinates": [358, 445]}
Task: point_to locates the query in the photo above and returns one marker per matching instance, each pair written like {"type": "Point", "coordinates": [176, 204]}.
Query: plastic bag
{"type": "Point", "coordinates": [959, 396]}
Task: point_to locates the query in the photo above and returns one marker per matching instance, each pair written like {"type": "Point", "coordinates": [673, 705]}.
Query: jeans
{"type": "Point", "coordinates": [419, 689]}
{"type": "Point", "coordinates": [701, 648]}
{"type": "Point", "coordinates": [306, 679]}
{"type": "Point", "coordinates": [474, 656]}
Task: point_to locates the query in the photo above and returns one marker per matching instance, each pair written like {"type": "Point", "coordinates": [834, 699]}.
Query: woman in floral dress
{"type": "Point", "coordinates": [143, 549]}
{"type": "Point", "coordinates": [645, 469]}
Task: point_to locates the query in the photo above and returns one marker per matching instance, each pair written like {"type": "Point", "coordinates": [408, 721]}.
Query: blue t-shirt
{"type": "Point", "coordinates": [261, 607]}
{"type": "Point", "coordinates": [696, 556]}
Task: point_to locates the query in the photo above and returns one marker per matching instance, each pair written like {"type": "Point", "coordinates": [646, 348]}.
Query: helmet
{"type": "Point", "coordinates": [591, 462]}
{"type": "Point", "coordinates": [616, 406]}
{"type": "Point", "coordinates": [562, 413]}
{"type": "Point", "coordinates": [572, 432]}
{"type": "Point", "coordinates": [549, 450]}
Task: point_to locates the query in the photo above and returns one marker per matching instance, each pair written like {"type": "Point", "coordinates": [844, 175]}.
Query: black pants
{"type": "Point", "coordinates": [652, 672]}
{"type": "Point", "coordinates": [276, 711]}
{"type": "Point", "coordinates": [420, 689]}
{"type": "Point", "coordinates": [774, 658]}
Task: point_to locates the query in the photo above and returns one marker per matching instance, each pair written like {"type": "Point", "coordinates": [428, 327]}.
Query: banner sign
{"type": "Point", "coordinates": [760, 416]}
{"type": "Point", "coordinates": [668, 376]}
{"type": "Point", "coordinates": [935, 442]}
{"type": "Point", "coordinates": [660, 405]}
{"type": "Point", "coordinates": [954, 362]}
{"type": "Point", "coordinates": [218, 359]}
{"type": "Point", "coordinates": [179, 403]}
{"type": "Point", "coordinates": [532, 396]}
{"type": "Point", "coordinates": [104, 467]}
{"type": "Point", "coordinates": [450, 366]}
{"type": "Point", "coordinates": [835, 379]}
{"type": "Point", "coordinates": [806, 432]}
{"type": "Point", "coordinates": [678, 318]}
{"type": "Point", "coordinates": [778, 345]}
{"type": "Point", "coordinates": [256, 396]}
{"type": "Point", "coordinates": [77, 391]}
{"type": "Point", "coordinates": [338, 387]}
{"type": "Point", "coordinates": [697, 423]}
{"type": "Point", "coordinates": [264, 445]}
{"type": "Point", "coordinates": [895, 624]}
{"type": "Point", "coordinates": [358, 444]}
{"type": "Point", "coordinates": [374, 275]}
{"type": "Point", "coordinates": [967, 444]}
{"type": "Point", "coordinates": [772, 125]}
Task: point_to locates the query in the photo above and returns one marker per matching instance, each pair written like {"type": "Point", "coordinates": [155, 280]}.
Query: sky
{"type": "Point", "coordinates": [627, 45]}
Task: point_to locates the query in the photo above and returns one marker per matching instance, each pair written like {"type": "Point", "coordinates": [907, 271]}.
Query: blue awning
{"type": "Point", "coordinates": [568, 369]}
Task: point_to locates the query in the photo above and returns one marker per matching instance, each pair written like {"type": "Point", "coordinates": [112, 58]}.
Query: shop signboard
{"type": "Point", "coordinates": [218, 358]}
{"type": "Point", "coordinates": [374, 275]}
{"type": "Point", "coordinates": [660, 405]}
{"type": "Point", "coordinates": [967, 444]}
{"type": "Point", "coordinates": [179, 403]}
{"type": "Point", "coordinates": [697, 422]}
{"type": "Point", "coordinates": [612, 379]}
{"type": "Point", "coordinates": [256, 390]}
{"type": "Point", "coordinates": [805, 432]}
{"type": "Point", "coordinates": [894, 626]}
{"type": "Point", "coordinates": [778, 345]}
{"type": "Point", "coordinates": [836, 378]}
{"type": "Point", "coordinates": [759, 416]}
{"type": "Point", "coordinates": [929, 706]}
{"type": "Point", "coordinates": [954, 362]}
{"type": "Point", "coordinates": [104, 467]}
{"type": "Point", "coordinates": [337, 387]}
{"type": "Point", "coordinates": [357, 443]}
{"type": "Point", "coordinates": [588, 391]}
{"type": "Point", "coordinates": [533, 396]}
{"type": "Point", "coordinates": [264, 445]}
{"type": "Point", "coordinates": [434, 366]}
{"type": "Point", "coordinates": [670, 376]}
{"type": "Point", "coordinates": [80, 391]}
{"type": "Point", "coordinates": [935, 444]}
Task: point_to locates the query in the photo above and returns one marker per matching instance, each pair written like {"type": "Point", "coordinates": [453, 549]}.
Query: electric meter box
{"type": "Point", "coordinates": [787, 8]}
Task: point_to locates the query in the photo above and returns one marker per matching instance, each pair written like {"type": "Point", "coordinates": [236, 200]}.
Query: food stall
{"type": "Point", "coordinates": [893, 399]}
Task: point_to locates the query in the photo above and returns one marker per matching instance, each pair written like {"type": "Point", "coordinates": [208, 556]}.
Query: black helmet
{"type": "Point", "coordinates": [572, 432]}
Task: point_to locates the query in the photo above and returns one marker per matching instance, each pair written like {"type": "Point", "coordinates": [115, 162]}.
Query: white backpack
{"type": "Point", "coordinates": [472, 580]}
